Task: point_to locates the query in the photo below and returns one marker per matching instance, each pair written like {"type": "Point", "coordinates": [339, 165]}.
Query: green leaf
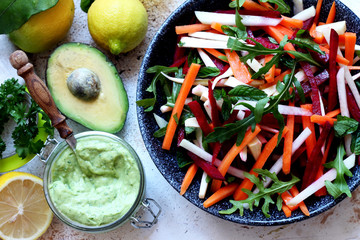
{"type": "Point", "coordinates": [344, 126]}
{"type": "Point", "coordinates": [157, 70]}
{"type": "Point", "coordinates": [14, 13]}
{"type": "Point", "coordinates": [238, 19]}
{"type": "Point", "coordinates": [259, 109]}
{"type": "Point", "coordinates": [208, 72]}
{"type": "Point", "coordinates": [176, 118]}
{"type": "Point", "coordinates": [245, 92]}
{"type": "Point", "coordinates": [254, 50]}
{"type": "Point", "coordinates": [85, 5]}
{"type": "Point", "coordinates": [234, 32]}
{"type": "Point", "coordinates": [182, 159]}
{"type": "Point", "coordinates": [299, 89]}
{"type": "Point", "coordinates": [306, 43]}
{"type": "Point", "coordinates": [147, 103]}
{"type": "Point", "coordinates": [304, 57]}
{"type": "Point", "coordinates": [160, 133]}
{"type": "Point", "coordinates": [355, 142]}
{"type": "Point", "coordinates": [223, 58]}
{"type": "Point", "coordinates": [264, 194]}
{"type": "Point", "coordinates": [341, 171]}
{"type": "Point", "coordinates": [235, 4]}
{"type": "Point", "coordinates": [282, 6]}
{"type": "Point", "coordinates": [267, 66]}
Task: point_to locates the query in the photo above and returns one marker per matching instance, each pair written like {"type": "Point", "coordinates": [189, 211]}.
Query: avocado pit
{"type": "Point", "coordinates": [84, 84]}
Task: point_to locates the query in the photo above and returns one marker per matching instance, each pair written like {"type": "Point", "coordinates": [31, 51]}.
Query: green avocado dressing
{"type": "Point", "coordinates": [98, 186]}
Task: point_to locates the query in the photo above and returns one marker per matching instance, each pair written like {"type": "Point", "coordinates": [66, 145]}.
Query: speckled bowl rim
{"type": "Point", "coordinates": [165, 160]}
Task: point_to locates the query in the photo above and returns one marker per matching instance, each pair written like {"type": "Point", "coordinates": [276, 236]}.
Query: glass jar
{"type": "Point", "coordinates": [132, 214]}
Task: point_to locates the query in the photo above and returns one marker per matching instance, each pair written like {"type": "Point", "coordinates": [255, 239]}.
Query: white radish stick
{"type": "Point", "coordinates": [320, 182]}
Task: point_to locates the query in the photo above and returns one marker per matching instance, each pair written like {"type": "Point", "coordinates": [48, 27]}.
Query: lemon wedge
{"type": "Point", "coordinates": [24, 212]}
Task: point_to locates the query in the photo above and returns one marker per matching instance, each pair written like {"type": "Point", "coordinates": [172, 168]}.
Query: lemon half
{"type": "Point", "coordinates": [24, 212]}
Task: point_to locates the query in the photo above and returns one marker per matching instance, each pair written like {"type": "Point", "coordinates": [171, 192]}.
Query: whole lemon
{"type": "Point", "coordinates": [117, 25]}
{"type": "Point", "coordinates": [43, 30]}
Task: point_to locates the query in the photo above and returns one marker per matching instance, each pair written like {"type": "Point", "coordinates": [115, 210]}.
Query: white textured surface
{"type": "Point", "coordinates": [180, 219]}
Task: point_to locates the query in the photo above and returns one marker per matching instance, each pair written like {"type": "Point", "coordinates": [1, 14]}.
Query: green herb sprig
{"type": "Point", "coordinates": [12, 105]}
{"type": "Point", "coordinates": [254, 199]}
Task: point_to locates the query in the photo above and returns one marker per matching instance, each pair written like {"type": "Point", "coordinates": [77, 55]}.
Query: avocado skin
{"type": "Point", "coordinates": [66, 106]}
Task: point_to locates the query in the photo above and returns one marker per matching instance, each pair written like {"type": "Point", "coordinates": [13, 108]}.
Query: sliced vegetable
{"type": "Point", "coordinates": [220, 194]}
{"type": "Point", "coordinates": [179, 105]}
{"type": "Point", "coordinates": [189, 176]}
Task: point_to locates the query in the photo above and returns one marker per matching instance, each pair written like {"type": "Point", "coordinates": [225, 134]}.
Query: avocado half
{"type": "Point", "coordinates": [105, 112]}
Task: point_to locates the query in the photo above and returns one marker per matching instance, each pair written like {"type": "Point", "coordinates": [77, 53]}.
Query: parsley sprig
{"type": "Point", "coordinates": [13, 105]}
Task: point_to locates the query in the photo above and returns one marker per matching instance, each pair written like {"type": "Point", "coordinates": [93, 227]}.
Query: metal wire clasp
{"type": "Point", "coordinates": [50, 145]}
{"type": "Point", "coordinates": [147, 205]}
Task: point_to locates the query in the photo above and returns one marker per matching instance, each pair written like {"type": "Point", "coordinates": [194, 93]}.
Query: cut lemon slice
{"type": "Point", "coordinates": [24, 212]}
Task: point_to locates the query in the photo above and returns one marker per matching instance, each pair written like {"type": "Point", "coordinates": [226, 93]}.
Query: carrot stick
{"type": "Point", "coordinates": [354, 67]}
{"type": "Point", "coordinates": [217, 27]}
{"type": "Point", "coordinates": [189, 176]}
{"type": "Point", "coordinates": [277, 79]}
{"type": "Point", "coordinates": [311, 140]}
{"type": "Point", "coordinates": [270, 75]}
{"type": "Point", "coordinates": [264, 155]}
{"type": "Point", "coordinates": [191, 28]}
{"type": "Point", "coordinates": [284, 31]}
{"type": "Point", "coordinates": [322, 119]}
{"type": "Point", "coordinates": [266, 5]}
{"type": "Point", "coordinates": [317, 12]}
{"type": "Point", "coordinates": [231, 155]}
{"type": "Point", "coordinates": [350, 41]}
{"type": "Point", "coordinates": [286, 197]}
{"type": "Point", "coordinates": [221, 194]}
{"type": "Point", "coordinates": [333, 113]}
{"type": "Point", "coordinates": [179, 104]}
{"type": "Point", "coordinates": [286, 210]}
{"type": "Point", "coordinates": [323, 191]}
{"type": "Point", "coordinates": [250, 5]}
{"type": "Point", "coordinates": [239, 69]}
{"type": "Point", "coordinates": [339, 59]}
{"type": "Point", "coordinates": [216, 53]}
{"type": "Point", "coordinates": [294, 191]}
{"type": "Point", "coordinates": [278, 36]}
{"type": "Point", "coordinates": [277, 71]}
{"type": "Point", "coordinates": [291, 22]}
{"type": "Point", "coordinates": [332, 13]}
{"type": "Point", "coordinates": [288, 140]}
{"type": "Point", "coordinates": [318, 37]}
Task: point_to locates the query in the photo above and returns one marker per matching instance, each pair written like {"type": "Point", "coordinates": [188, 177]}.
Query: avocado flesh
{"type": "Point", "coordinates": [105, 113]}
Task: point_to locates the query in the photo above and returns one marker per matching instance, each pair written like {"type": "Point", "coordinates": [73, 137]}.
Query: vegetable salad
{"type": "Point", "coordinates": [265, 106]}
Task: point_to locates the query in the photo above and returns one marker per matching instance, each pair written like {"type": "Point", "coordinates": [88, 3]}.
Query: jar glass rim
{"type": "Point", "coordinates": [102, 228]}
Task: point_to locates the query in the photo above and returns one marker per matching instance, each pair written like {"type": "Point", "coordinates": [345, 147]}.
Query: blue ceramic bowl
{"type": "Point", "coordinates": [160, 52]}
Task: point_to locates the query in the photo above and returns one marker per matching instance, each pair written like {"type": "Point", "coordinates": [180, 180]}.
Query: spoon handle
{"type": "Point", "coordinates": [39, 92]}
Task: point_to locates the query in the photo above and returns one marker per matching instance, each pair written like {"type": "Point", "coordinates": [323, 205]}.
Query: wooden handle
{"type": "Point", "coordinates": [39, 92]}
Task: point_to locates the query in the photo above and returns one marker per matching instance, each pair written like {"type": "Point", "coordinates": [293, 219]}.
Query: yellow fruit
{"type": "Point", "coordinates": [117, 25]}
{"type": "Point", "coordinates": [43, 30]}
{"type": "Point", "coordinates": [24, 212]}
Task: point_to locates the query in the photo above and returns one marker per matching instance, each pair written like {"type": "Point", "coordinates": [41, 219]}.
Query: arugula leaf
{"type": "Point", "coordinates": [304, 57]}
{"type": "Point", "coordinates": [238, 19]}
{"type": "Point", "coordinates": [245, 92]}
{"type": "Point", "coordinates": [254, 50]}
{"type": "Point", "coordinates": [85, 5]}
{"type": "Point", "coordinates": [234, 32]}
{"type": "Point", "coordinates": [14, 13]}
{"type": "Point", "coordinates": [226, 107]}
{"type": "Point", "coordinates": [208, 72]}
{"type": "Point", "coordinates": [307, 43]}
{"type": "Point", "coordinates": [282, 6]}
{"type": "Point", "coordinates": [267, 66]}
{"type": "Point", "coordinates": [235, 4]}
{"type": "Point", "coordinates": [223, 58]}
{"type": "Point", "coordinates": [339, 186]}
{"type": "Point", "coordinates": [344, 126]}
{"type": "Point", "coordinates": [259, 109]}
{"type": "Point", "coordinates": [149, 103]}
{"type": "Point", "coordinates": [299, 89]}
{"type": "Point", "coordinates": [266, 194]}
